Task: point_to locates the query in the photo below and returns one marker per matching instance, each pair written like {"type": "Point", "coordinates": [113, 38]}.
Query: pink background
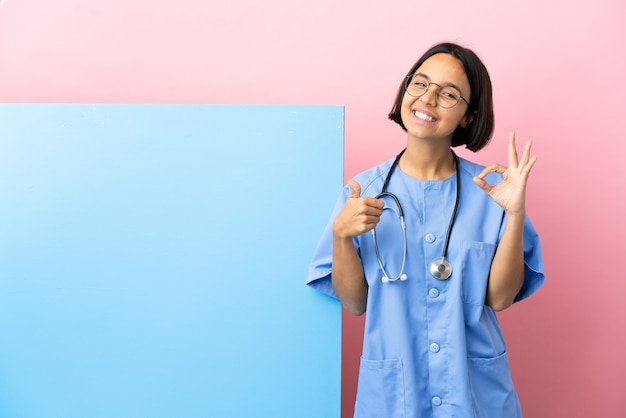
{"type": "Point", "coordinates": [558, 72]}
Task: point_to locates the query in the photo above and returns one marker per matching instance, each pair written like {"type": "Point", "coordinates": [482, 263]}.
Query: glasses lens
{"type": "Point", "coordinates": [416, 85]}
{"type": "Point", "coordinates": [447, 96]}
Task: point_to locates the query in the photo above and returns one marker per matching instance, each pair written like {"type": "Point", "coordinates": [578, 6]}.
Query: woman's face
{"type": "Point", "coordinates": [422, 116]}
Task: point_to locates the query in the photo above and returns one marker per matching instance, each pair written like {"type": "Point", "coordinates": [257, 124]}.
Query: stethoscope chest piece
{"type": "Point", "coordinates": [440, 269]}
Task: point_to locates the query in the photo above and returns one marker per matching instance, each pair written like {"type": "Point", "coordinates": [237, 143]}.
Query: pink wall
{"type": "Point", "coordinates": [558, 70]}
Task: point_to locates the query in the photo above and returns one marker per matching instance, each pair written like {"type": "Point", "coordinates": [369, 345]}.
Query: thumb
{"type": "Point", "coordinates": [356, 188]}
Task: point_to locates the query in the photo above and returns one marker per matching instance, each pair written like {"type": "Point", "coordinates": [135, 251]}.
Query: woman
{"type": "Point", "coordinates": [432, 344]}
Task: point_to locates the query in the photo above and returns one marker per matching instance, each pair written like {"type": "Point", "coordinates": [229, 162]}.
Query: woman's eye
{"type": "Point", "coordinates": [449, 95]}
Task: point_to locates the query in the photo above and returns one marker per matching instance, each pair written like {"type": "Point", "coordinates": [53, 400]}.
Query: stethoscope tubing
{"type": "Point", "coordinates": [440, 268]}
{"type": "Point", "coordinates": [400, 276]}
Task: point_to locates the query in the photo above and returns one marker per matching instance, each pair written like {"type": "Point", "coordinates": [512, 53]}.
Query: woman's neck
{"type": "Point", "coordinates": [427, 162]}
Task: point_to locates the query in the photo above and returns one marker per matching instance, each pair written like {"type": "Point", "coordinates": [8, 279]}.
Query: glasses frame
{"type": "Point", "coordinates": [410, 77]}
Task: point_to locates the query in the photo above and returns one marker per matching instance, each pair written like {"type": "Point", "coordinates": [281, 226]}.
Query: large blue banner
{"type": "Point", "coordinates": [153, 261]}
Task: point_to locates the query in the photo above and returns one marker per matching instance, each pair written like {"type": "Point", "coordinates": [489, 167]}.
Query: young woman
{"type": "Point", "coordinates": [431, 246]}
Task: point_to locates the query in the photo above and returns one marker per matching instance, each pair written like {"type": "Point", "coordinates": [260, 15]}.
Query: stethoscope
{"type": "Point", "coordinates": [440, 268]}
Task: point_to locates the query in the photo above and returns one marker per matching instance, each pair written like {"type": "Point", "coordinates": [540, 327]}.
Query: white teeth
{"type": "Point", "coordinates": [423, 116]}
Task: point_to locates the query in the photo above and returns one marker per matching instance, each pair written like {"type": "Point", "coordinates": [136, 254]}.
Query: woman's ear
{"type": "Point", "coordinates": [467, 119]}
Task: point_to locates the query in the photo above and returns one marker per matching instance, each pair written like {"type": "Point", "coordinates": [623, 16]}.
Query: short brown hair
{"type": "Point", "coordinates": [476, 134]}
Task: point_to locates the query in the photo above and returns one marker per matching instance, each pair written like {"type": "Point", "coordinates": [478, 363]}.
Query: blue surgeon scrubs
{"type": "Point", "coordinates": [432, 348]}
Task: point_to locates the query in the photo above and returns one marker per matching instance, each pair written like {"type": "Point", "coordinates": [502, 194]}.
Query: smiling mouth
{"type": "Point", "coordinates": [422, 116]}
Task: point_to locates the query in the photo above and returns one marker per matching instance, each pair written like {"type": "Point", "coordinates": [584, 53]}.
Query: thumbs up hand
{"type": "Point", "coordinates": [359, 214]}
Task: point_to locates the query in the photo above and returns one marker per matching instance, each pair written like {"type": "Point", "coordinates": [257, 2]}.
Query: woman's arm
{"type": "Point", "coordinates": [506, 276]}
{"type": "Point", "coordinates": [348, 278]}
{"type": "Point", "coordinates": [359, 215]}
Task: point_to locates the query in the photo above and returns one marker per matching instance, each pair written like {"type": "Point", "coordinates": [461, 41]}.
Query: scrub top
{"type": "Point", "coordinates": [432, 348]}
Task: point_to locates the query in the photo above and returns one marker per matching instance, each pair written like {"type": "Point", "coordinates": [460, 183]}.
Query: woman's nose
{"type": "Point", "coordinates": [430, 96]}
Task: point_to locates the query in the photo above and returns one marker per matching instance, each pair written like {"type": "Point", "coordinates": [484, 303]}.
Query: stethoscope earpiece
{"type": "Point", "coordinates": [386, 279]}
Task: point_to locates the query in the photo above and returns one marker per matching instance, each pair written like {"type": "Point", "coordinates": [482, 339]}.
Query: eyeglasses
{"type": "Point", "coordinates": [447, 96]}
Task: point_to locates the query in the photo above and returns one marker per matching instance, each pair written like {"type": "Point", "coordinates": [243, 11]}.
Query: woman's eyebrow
{"type": "Point", "coordinates": [444, 84]}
